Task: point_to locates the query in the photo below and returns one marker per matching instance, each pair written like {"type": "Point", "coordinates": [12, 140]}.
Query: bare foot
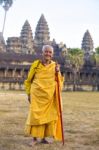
{"type": "Point", "coordinates": [44, 141]}
{"type": "Point", "coordinates": [34, 139]}
{"type": "Point", "coordinates": [34, 142]}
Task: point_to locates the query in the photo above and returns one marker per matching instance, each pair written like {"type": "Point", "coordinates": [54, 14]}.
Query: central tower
{"type": "Point", "coordinates": [42, 33]}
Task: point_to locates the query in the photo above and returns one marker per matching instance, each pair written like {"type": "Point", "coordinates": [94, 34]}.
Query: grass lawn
{"type": "Point", "coordinates": [80, 115]}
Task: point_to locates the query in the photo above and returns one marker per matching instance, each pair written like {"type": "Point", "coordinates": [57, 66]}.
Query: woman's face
{"type": "Point", "coordinates": [48, 54]}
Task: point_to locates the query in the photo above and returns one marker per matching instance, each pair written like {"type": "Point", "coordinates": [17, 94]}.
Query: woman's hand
{"type": "Point", "coordinates": [57, 68]}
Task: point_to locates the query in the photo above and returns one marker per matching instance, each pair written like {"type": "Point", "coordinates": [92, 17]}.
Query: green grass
{"type": "Point", "coordinates": [80, 116]}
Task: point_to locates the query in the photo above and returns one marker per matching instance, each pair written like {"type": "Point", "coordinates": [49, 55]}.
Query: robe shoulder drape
{"type": "Point", "coordinates": [43, 94]}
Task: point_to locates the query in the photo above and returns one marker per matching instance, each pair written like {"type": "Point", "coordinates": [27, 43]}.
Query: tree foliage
{"type": "Point", "coordinates": [76, 56]}
{"type": "Point", "coordinates": [97, 50]}
{"type": "Point", "coordinates": [6, 4]}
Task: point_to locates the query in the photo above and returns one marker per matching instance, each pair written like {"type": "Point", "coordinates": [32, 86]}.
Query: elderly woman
{"type": "Point", "coordinates": [43, 111]}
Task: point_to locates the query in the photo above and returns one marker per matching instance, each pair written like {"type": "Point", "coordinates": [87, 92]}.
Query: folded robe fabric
{"type": "Point", "coordinates": [44, 106]}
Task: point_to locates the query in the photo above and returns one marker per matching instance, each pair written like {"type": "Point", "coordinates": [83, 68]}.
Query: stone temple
{"type": "Point", "coordinates": [87, 47]}
{"type": "Point", "coordinates": [87, 42]}
{"type": "Point", "coordinates": [17, 54]}
{"type": "Point", "coordinates": [26, 43]}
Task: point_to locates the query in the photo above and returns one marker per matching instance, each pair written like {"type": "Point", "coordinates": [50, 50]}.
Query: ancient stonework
{"type": "Point", "coordinates": [2, 43]}
{"type": "Point", "coordinates": [87, 42]}
{"type": "Point", "coordinates": [42, 32]}
{"type": "Point", "coordinates": [13, 45]}
{"type": "Point", "coordinates": [26, 38]}
{"type": "Point", "coordinates": [87, 46]}
{"type": "Point", "coordinates": [17, 54]}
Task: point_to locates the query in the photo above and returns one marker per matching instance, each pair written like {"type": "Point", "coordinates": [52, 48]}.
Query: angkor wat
{"type": "Point", "coordinates": [17, 54]}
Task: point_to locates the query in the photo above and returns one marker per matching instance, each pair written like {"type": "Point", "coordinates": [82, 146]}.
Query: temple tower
{"type": "Point", "coordinates": [87, 46]}
{"type": "Point", "coordinates": [87, 42]}
{"type": "Point", "coordinates": [13, 45]}
{"type": "Point", "coordinates": [26, 38]}
{"type": "Point", "coordinates": [42, 32]}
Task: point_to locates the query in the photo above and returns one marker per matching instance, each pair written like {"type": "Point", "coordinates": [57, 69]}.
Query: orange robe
{"type": "Point", "coordinates": [44, 101]}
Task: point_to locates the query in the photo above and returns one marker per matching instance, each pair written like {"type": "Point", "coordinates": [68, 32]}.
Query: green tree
{"type": "Point", "coordinates": [97, 50]}
{"type": "Point", "coordinates": [6, 4]}
{"type": "Point", "coordinates": [96, 55]}
{"type": "Point", "coordinates": [76, 57]}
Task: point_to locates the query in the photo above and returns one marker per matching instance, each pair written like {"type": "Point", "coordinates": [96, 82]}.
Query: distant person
{"type": "Point", "coordinates": [41, 88]}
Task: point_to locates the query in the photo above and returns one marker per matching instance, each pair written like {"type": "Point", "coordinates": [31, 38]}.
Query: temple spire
{"type": "Point", "coordinates": [87, 46]}
{"type": "Point", "coordinates": [42, 32]}
{"type": "Point", "coordinates": [87, 42]}
{"type": "Point", "coordinates": [27, 38]}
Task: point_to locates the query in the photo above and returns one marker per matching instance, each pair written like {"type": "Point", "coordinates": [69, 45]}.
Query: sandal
{"type": "Point", "coordinates": [43, 141]}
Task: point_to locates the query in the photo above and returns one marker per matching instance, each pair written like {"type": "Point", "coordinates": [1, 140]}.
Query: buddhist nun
{"type": "Point", "coordinates": [41, 88]}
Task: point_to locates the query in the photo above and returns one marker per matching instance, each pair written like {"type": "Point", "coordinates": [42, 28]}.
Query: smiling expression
{"type": "Point", "coordinates": [48, 54]}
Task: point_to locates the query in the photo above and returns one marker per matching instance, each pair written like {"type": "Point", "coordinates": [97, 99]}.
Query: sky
{"type": "Point", "coordinates": [67, 20]}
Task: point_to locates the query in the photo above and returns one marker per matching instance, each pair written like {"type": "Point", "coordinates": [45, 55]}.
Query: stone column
{"type": "Point", "coordinates": [3, 85]}
{"type": "Point", "coordinates": [13, 73]}
{"type": "Point", "coordinates": [5, 72]}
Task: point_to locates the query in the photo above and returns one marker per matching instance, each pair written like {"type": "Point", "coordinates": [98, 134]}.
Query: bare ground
{"type": "Point", "coordinates": [80, 115]}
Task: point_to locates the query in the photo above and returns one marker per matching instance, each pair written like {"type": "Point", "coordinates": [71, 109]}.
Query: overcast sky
{"type": "Point", "coordinates": [68, 20]}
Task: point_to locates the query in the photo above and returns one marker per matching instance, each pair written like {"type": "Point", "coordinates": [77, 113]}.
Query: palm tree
{"type": "Point", "coordinates": [76, 58]}
{"type": "Point", "coordinates": [6, 4]}
{"type": "Point", "coordinates": [97, 55]}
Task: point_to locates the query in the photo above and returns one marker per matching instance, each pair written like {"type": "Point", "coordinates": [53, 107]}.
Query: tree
{"type": "Point", "coordinates": [76, 57]}
{"type": "Point", "coordinates": [6, 4]}
{"type": "Point", "coordinates": [97, 50]}
{"type": "Point", "coordinates": [97, 55]}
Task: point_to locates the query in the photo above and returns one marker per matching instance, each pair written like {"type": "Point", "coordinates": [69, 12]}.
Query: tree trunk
{"type": "Point", "coordinates": [4, 22]}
